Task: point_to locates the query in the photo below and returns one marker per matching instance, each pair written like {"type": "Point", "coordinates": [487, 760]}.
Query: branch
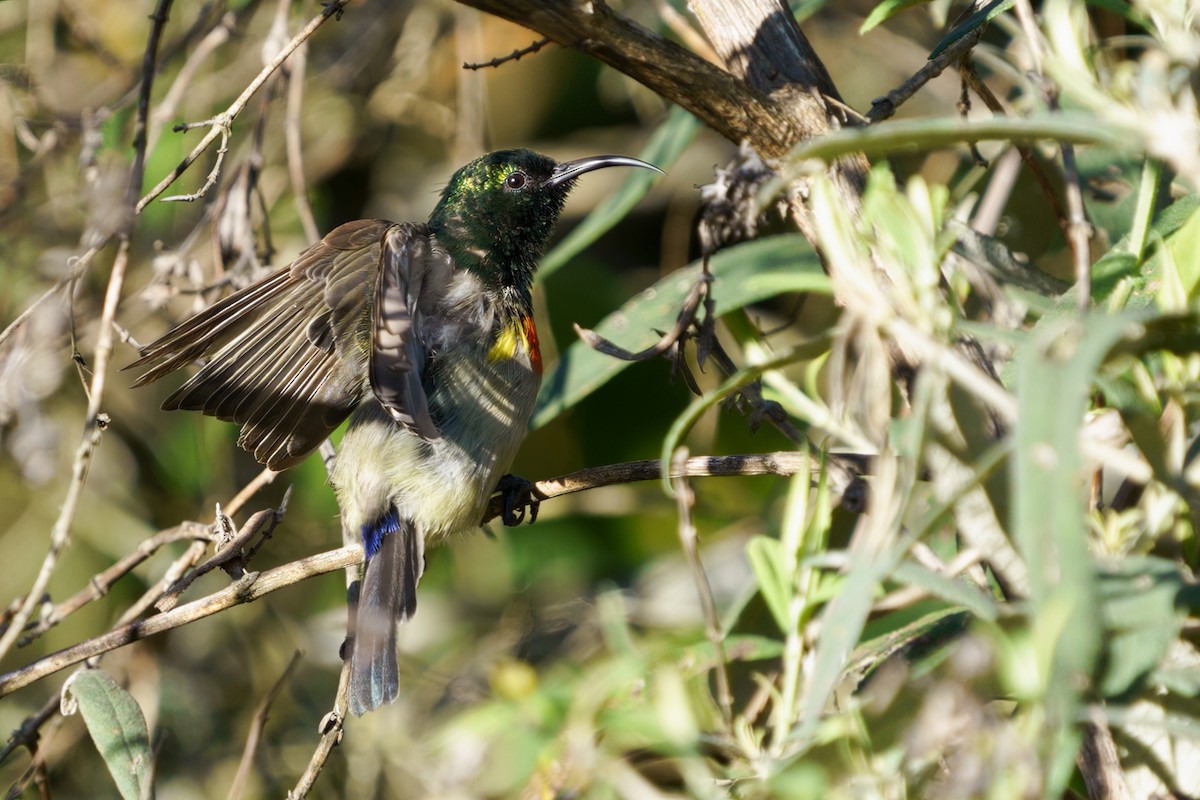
{"type": "Point", "coordinates": [254, 585]}
{"type": "Point", "coordinates": [250, 588]}
{"type": "Point", "coordinates": [725, 103]}
{"type": "Point", "coordinates": [515, 55]}
{"type": "Point", "coordinates": [225, 119]}
{"type": "Point", "coordinates": [779, 463]}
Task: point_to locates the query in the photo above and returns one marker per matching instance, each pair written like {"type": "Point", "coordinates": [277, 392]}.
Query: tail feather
{"type": "Point", "coordinates": [387, 598]}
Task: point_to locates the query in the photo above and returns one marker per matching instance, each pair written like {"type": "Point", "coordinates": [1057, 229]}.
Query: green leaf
{"type": "Point", "coordinates": [662, 151]}
{"type": "Point", "coordinates": [116, 725]}
{"type": "Point", "coordinates": [1055, 372]}
{"type": "Point", "coordinates": [743, 274]}
{"type": "Point", "coordinates": [980, 17]}
{"type": "Point", "coordinates": [885, 11]}
{"type": "Point", "coordinates": [766, 560]}
{"type": "Point", "coordinates": [1119, 263]}
{"type": "Point", "coordinates": [925, 134]}
{"type": "Point", "coordinates": [954, 590]}
{"type": "Point", "coordinates": [701, 657]}
{"type": "Point", "coordinates": [1141, 619]}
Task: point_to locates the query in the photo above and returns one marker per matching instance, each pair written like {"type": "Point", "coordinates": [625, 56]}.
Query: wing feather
{"type": "Point", "coordinates": [286, 357]}
{"type": "Point", "coordinates": [397, 351]}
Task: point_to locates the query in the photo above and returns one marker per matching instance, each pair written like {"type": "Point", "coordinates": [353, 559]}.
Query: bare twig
{"type": "Point", "coordinates": [884, 107]}
{"type": "Point", "coordinates": [971, 76]}
{"type": "Point", "coordinates": [515, 55]}
{"type": "Point", "coordinates": [228, 552]}
{"type": "Point", "coordinates": [687, 315]}
{"type": "Point", "coordinates": [170, 101]}
{"type": "Point", "coordinates": [295, 153]}
{"type": "Point", "coordinates": [688, 539]}
{"type": "Point", "coordinates": [253, 586]}
{"type": "Point", "coordinates": [222, 126]}
{"type": "Point", "coordinates": [779, 463]}
{"type": "Point", "coordinates": [95, 422]}
{"type": "Point", "coordinates": [100, 583]}
{"type": "Point", "coordinates": [331, 727]}
{"type": "Point", "coordinates": [225, 119]}
{"type": "Point", "coordinates": [256, 728]}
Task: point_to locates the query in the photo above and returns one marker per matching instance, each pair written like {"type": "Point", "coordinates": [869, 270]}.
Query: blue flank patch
{"type": "Point", "coordinates": [372, 535]}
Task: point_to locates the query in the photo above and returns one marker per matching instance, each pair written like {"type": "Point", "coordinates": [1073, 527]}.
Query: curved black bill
{"type": "Point", "coordinates": [569, 170]}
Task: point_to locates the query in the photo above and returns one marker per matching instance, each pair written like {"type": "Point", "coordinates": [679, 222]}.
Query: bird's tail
{"type": "Point", "coordinates": [395, 560]}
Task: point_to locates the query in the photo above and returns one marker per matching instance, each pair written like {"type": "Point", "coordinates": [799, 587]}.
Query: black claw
{"type": "Point", "coordinates": [518, 494]}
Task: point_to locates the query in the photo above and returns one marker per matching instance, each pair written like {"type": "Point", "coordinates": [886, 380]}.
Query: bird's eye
{"type": "Point", "coordinates": [515, 181]}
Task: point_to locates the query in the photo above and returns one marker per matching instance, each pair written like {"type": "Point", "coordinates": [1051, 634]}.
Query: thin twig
{"type": "Point", "coordinates": [971, 76]}
{"type": "Point", "coordinates": [170, 101]}
{"type": "Point", "coordinates": [884, 107]}
{"type": "Point", "coordinates": [515, 55]}
{"type": "Point", "coordinates": [100, 583]}
{"type": "Point", "coordinates": [254, 584]}
{"type": "Point", "coordinates": [688, 539]}
{"type": "Point", "coordinates": [225, 119]}
{"type": "Point", "coordinates": [227, 552]}
{"type": "Point", "coordinates": [252, 488]}
{"type": "Point", "coordinates": [222, 126]}
{"type": "Point", "coordinates": [252, 587]}
{"type": "Point", "coordinates": [256, 728]}
{"type": "Point", "coordinates": [687, 314]}
{"type": "Point", "coordinates": [295, 154]}
{"type": "Point", "coordinates": [778, 463]}
{"type": "Point", "coordinates": [94, 421]}
{"type": "Point", "coordinates": [331, 728]}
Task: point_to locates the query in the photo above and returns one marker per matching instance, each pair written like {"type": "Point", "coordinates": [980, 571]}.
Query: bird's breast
{"type": "Point", "coordinates": [515, 340]}
{"type": "Point", "coordinates": [481, 395]}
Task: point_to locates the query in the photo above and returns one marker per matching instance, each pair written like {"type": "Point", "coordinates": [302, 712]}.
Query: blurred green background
{"type": "Point", "coordinates": [388, 114]}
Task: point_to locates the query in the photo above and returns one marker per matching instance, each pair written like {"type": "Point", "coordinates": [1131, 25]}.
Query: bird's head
{"type": "Point", "coordinates": [496, 214]}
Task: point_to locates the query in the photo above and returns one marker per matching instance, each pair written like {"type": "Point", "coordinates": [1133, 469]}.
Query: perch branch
{"type": "Point", "coordinates": [254, 585]}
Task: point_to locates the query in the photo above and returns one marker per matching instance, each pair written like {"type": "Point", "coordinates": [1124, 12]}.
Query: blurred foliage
{"type": "Point", "coordinates": [875, 650]}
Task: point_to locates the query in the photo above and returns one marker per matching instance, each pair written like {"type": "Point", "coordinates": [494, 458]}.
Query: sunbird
{"type": "Point", "coordinates": [421, 334]}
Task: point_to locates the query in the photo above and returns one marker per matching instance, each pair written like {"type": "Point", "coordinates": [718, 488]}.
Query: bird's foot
{"type": "Point", "coordinates": [518, 494]}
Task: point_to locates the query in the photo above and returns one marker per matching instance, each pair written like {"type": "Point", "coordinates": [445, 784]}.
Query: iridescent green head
{"type": "Point", "coordinates": [496, 214]}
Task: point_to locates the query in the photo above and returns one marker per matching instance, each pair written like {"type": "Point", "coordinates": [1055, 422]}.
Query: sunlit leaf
{"type": "Point", "coordinates": [742, 275]}
{"type": "Point", "coordinates": [978, 18]}
{"type": "Point", "coordinates": [885, 11]}
{"type": "Point", "coordinates": [116, 724]}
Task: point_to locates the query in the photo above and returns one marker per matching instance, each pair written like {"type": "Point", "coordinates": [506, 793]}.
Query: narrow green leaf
{"type": "Point", "coordinates": [766, 560]}
{"type": "Point", "coordinates": [116, 725]}
{"type": "Point", "coordinates": [1055, 373]}
{"type": "Point", "coordinates": [662, 151]}
{"type": "Point", "coordinates": [980, 17]}
{"type": "Point", "coordinates": [702, 656]}
{"type": "Point", "coordinates": [1141, 619]}
{"type": "Point", "coordinates": [922, 135]}
{"type": "Point", "coordinates": [885, 11]}
{"type": "Point", "coordinates": [954, 590]}
{"type": "Point", "coordinates": [742, 275]}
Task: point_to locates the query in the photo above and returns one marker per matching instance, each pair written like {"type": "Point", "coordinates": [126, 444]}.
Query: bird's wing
{"type": "Point", "coordinates": [406, 260]}
{"type": "Point", "coordinates": [285, 357]}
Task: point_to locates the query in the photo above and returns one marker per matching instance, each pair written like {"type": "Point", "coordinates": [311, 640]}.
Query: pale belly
{"type": "Point", "coordinates": [442, 485]}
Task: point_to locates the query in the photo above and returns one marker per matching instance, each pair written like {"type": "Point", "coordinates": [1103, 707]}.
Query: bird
{"type": "Point", "coordinates": [422, 334]}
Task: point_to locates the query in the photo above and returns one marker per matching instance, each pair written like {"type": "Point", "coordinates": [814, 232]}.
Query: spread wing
{"type": "Point", "coordinates": [286, 357]}
{"type": "Point", "coordinates": [397, 352]}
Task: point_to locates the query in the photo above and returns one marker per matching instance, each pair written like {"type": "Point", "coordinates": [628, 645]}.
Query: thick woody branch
{"type": "Point", "coordinates": [728, 105]}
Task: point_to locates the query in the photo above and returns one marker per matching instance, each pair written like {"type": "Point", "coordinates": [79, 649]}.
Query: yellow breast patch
{"type": "Point", "coordinates": [521, 333]}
